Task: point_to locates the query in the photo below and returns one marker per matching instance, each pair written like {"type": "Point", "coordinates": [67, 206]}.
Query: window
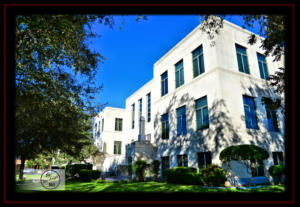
{"type": "Point", "coordinates": [198, 61]}
{"type": "Point", "coordinates": [118, 124]}
{"type": "Point", "coordinates": [165, 126]}
{"type": "Point", "coordinates": [102, 124]}
{"type": "Point", "coordinates": [149, 107]}
{"type": "Point", "coordinates": [202, 113]}
{"type": "Point", "coordinates": [179, 74]}
{"type": "Point", "coordinates": [242, 59]}
{"type": "Point", "coordinates": [181, 121]}
{"type": "Point", "coordinates": [250, 114]}
{"type": "Point", "coordinates": [262, 64]}
{"type": "Point", "coordinates": [204, 159]}
{"type": "Point", "coordinates": [182, 160]}
{"type": "Point", "coordinates": [272, 118]}
{"type": "Point", "coordinates": [164, 83]}
{"type": "Point", "coordinates": [141, 106]}
{"type": "Point", "coordinates": [278, 158]}
{"type": "Point", "coordinates": [259, 170]}
{"type": "Point", "coordinates": [117, 147]}
{"type": "Point", "coordinates": [165, 164]}
{"type": "Point", "coordinates": [132, 115]}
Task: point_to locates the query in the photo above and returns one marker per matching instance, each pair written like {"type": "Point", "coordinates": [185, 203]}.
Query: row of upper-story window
{"type": "Point", "coordinates": [118, 125]}
{"type": "Point", "coordinates": [198, 67]}
{"type": "Point", "coordinates": [148, 97]}
{"type": "Point", "coordinates": [202, 117]}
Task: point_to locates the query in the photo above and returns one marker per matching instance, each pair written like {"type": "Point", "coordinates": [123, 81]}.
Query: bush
{"type": "Point", "coordinates": [277, 171]}
{"type": "Point", "coordinates": [75, 168]}
{"type": "Point", "coordinates": [213, 175]}
{"type": "Point", "coordinates": [88, 175]}
{"type": "Point", "coordinates": [183, 175]}
{"type": "Point", "coordinates": [139, 168]}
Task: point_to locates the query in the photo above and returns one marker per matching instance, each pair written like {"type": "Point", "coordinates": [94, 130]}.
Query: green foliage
{"type": "Point", "coordinates": [183, 175]}
{"type": "Point", "coordinates": [75, 168]}
{"type": "Point", "coordinates": [88, 175]}
{"type": "Point", "coordinates": [277, 171]}
{"type": "Point", "coordinates": [213, 175]}
{"type": "Point", "coordinates": [139, 168]}
{"type": "Point", "coordinates": [243, 152]}
{"type": "Point", "coordinates": [155, 168]}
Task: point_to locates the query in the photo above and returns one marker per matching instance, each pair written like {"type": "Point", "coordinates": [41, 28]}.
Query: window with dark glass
{"type": "Point", "coordinates": [250, 112]}
{"type": "Point", "coordinates": [117, 147]}
{"type": "Point", "coordinates": [198, 61]}
{"type": "Point", "coordinates": [204, 159]}
{"type": "Point", "coordinates": [182, 160]}
{"type": "Point", "coordinates": [118, 124]}
{"type": "Point", "coordinates": [165, 164]}
{"type": "Point", "coordinates": [165, 126]}
{"type": "Point", "coordinates": [262, 64]}
{"type": "Point", "coordinates": [179, 73]}
{"type": "Point", "coordinates": [202, 113]}
{"type": "Point", "coordinates": [164, 83]}
{"type": "Point", "coordinates": [102, 124]}
{"type": "Point", "coordinates": [259, 170]}
{"type": "Point", "coordinates": [149, 107]}
{"type": "Point", "coordinates": [272, 118]}
{"type": "Point", "coordinates": [278, 158]}
{"type": "Point", "coordinates": [181, 121]}
{"type": "Point", "coordinates": [242, 59]}
{"type": "Point", "coordinates": [141, 106]}
{"type": "Point", "coordinates": [132, 115]}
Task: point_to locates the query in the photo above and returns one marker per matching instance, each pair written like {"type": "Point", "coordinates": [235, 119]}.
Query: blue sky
{"type": "Point", "coordinates": [130, 52]}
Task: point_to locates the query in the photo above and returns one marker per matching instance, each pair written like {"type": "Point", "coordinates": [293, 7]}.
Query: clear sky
{"type": "Point", "coordinates": [131, 52]}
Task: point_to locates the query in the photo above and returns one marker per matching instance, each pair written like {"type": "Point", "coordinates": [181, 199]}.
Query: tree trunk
{"type": "Point", "coordinates": [22, 166]}
{"type": "Point", "coordinates": [253, 167]}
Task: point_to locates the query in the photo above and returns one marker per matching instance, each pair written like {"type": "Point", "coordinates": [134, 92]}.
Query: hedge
{"type": "Point", "coordinates": [183, 175]}
{"type": "Point", "coordinates": [213, 175]}
{"type": "Point", "coordinates": [75, 168]}
{"type": "Point", "coordinates": [88, 175]}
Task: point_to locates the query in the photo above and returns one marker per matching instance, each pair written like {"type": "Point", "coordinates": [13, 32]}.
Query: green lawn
{"type": "Point", "coordinates": [106, 186]}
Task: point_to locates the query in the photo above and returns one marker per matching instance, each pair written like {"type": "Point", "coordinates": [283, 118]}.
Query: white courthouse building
{"type": "Point", "coordinates": [201, 99]}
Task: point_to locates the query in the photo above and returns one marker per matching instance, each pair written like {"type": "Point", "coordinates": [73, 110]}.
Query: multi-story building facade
{"type": "Point", "coordinates": [204, 98]}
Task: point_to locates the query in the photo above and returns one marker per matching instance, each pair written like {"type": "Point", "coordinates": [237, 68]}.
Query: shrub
{"type": "Point", "coordinates": [213, 175]}
{"type": "Point", "coordinates": [73, 169]}
{"type": "Point", "coordinates": [139, 168]}
{"type": "Point", "coordinates": [155, 168]}
{"type": "Point", "coordinates": [183, 175]}
{"type": "Point", "coordinates": [88, 175]}
{"type": "Point", "coordinates": [277, 171]}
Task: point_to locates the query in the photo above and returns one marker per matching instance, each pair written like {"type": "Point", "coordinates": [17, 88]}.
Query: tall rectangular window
{"type": "Point", "coordinates": [182, 160]}
{"type": "Point", "coordinates": [117, 147]}
{"type": "Point", "coordinates": [250, 112]}
{"type": "Point", "coordinates": [181, 121]}
{"type": "Point", "coordinates": [132, 115]}
{"type": "Point", "coordinates": [165, 164]}
{"type": "Point", "coordinates": [204, 159]}
{"type": "Point", "coordinates": [149, 107]}
{"type": "Point", "coordinates": [259, 170]}
{"type": "Point", "coordinates": [164, 83]}
{"type": "Point", "coordinates": [141, 107]}
{"type": "Point", "coordinates": [242, 59]}
{"type": "Point", "coordinates": [272, 118]}
{"type": "Point", "coordinates": [179, 73]}
{"type": "Point", "coordinates": [262, 64]}
{"type": "Point", "coordinates": [165, 126]}
{"type": "Point", "coordinates": [198, 61]}
{"type": "Point", "coordinates": [202, 113]}
{"type": "Point", "coordinates": [118, 124]}
{"type": "Point", "coordinates": [278, 158]}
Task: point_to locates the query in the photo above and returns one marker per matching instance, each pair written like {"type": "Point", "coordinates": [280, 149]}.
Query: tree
{"type": "Point", "coordinates": [139, 168]}
{"type": "Point", "coordinates": [54, 83]}
{"type": "Point", "coordinates": [249, 155]}
{"type": "Point", "coordinates": [272, 28]}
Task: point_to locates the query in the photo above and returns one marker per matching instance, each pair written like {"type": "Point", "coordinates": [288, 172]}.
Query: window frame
{"type": "Point", "coordinates": [167, 127]}
{"type": "Point", "coordinates": [242, 59]}
{"type": "Point", "coordinates": [179, 70]}
{"type": "Point", "coordinates": [132, 115]}
{"type": "Point", "coordinates": [182, 117]}
{"type": "Point", "coordinates": [198, 58]}
{"type": "Point", "coordinates": [118, 124]}
{"type": "Point", "coordinates": [149, 107]}
{"type": "Point", "coordinates": [264, 64]}
{"type": "Point", "coordinates": [117, 147]}
{"type": "Point", "coordinates": [183, 160]}
{"type": "Point", "coordinates": [202, 114]}
{"type": "Point", "coordinates": [206, 157]}
{"type": "Point", "coordinates": [251, 112]}
{"type": "Point", "coordinates": [164, 83]}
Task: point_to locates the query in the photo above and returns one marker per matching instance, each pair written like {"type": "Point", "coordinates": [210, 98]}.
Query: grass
{"type": "Point", "coordinates": [156, 187]}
